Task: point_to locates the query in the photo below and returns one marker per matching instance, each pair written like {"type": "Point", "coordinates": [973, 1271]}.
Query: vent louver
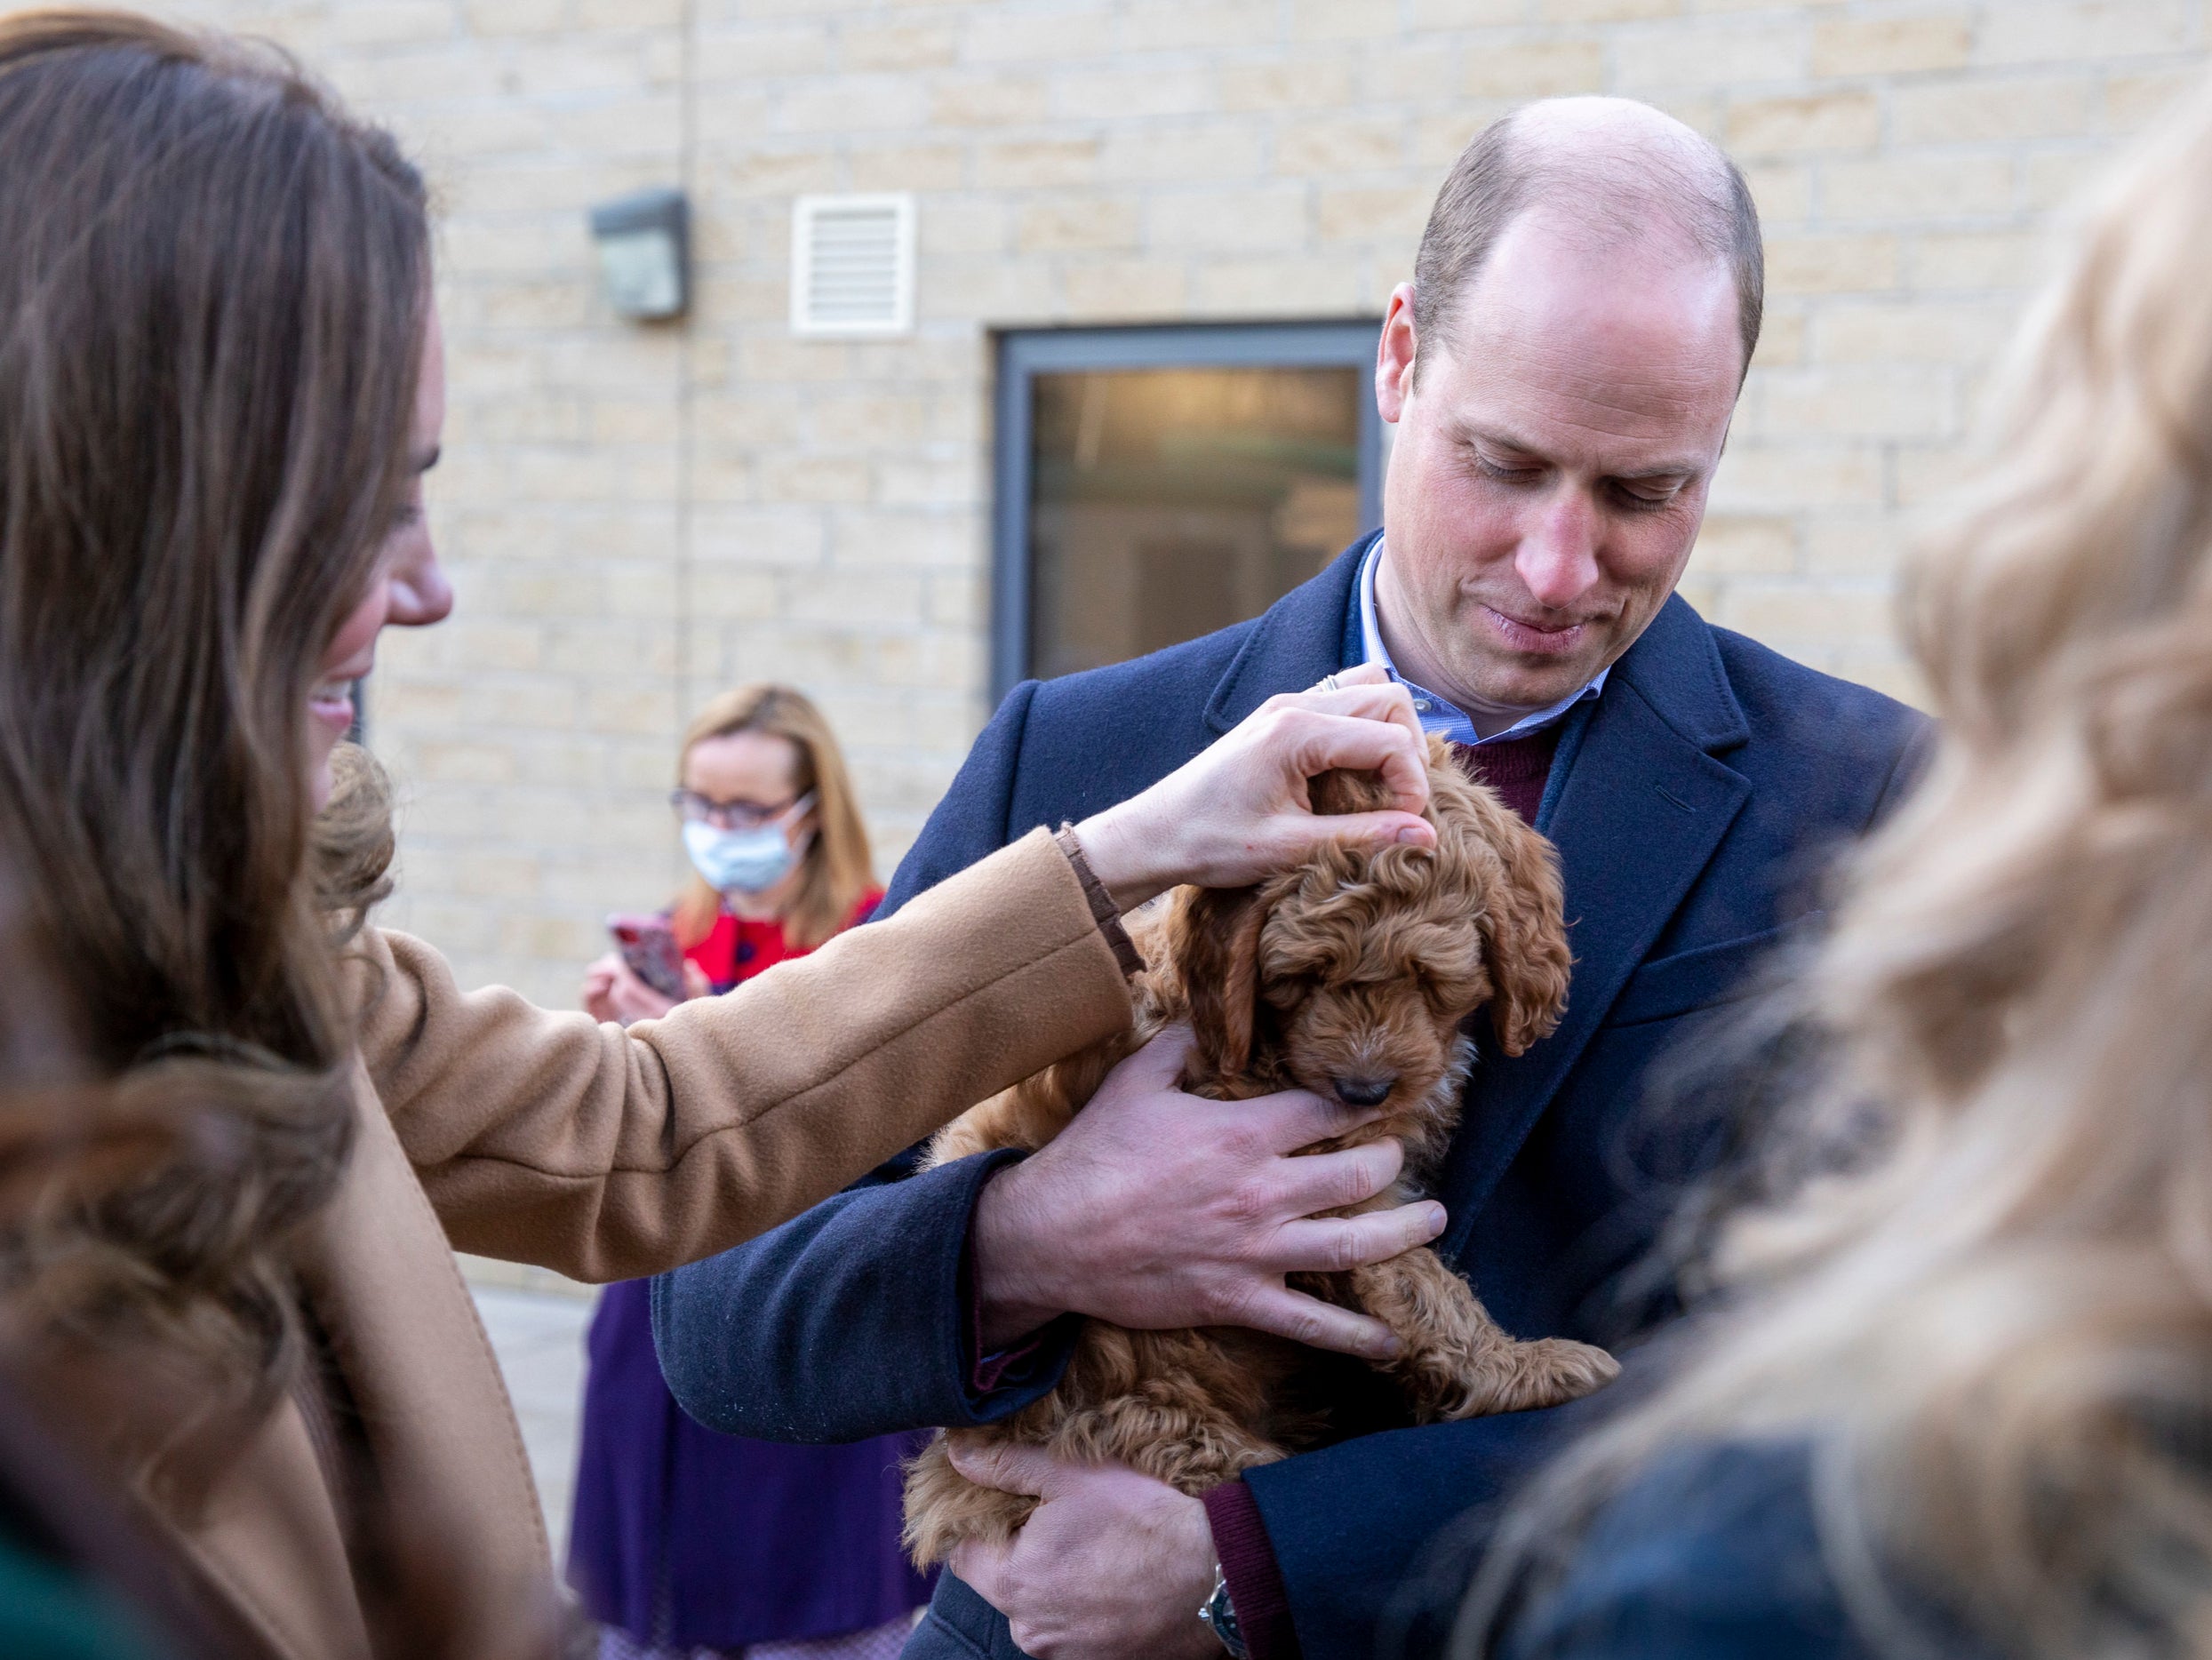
{"type": "Point", "coordinates": [852, 264]}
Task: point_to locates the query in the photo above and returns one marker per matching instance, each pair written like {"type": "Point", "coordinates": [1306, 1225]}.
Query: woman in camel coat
{"type": "Point", "coordinates": [221, 385]}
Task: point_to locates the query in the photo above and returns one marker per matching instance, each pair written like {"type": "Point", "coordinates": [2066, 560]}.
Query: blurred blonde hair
{"type": "Point", "coordinates": [1989, 1303]}
{"type": "Point", "coordinates": [840, 870]}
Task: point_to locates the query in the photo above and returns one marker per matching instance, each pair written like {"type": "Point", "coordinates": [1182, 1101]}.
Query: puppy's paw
{"type": "Point", "coordinates": [1548, 1372]}
{"type": "Point", "coordinates": [944, 1507]}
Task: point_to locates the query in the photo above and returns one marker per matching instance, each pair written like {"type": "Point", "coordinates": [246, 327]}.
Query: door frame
{"type": "Point", "coordinates": [1024, 353]}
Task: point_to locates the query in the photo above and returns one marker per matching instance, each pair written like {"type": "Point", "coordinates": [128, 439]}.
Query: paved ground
{"type": "Point", "coordinates": [540, 1339]}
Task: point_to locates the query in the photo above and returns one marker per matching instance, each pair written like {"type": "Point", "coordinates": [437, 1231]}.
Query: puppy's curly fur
{"type": "Point", "coordinates": [1350, 976]}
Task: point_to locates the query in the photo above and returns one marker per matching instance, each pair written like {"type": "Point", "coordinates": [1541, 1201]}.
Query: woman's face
{"type": "Point", "coordinates": [409, 590]}
{"type": "Point", "coordinates": [756, 769]}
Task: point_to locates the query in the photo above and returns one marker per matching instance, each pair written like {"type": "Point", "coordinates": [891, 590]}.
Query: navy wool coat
{"type": "Point", "coordinates": [1693, 804]}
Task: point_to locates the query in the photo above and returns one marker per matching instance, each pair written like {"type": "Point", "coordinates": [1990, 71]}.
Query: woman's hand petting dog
{"type": "Point", "coordinates": [1240, 810]}
{"type": "Point", "coordinates": [1156, 1210]}
{"type": "Point", "coordinates": [1112, 1566]}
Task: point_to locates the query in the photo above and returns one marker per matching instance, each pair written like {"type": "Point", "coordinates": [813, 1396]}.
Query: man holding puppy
{"type": "Point", "coordinates": [1561, 374]}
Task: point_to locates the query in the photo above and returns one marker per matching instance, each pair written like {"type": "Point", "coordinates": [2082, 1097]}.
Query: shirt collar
{"type": "Point", "coordinates": [1439, 715]}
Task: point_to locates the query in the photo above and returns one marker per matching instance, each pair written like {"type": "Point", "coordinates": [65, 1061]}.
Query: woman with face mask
{"type": "Point", "coordinates": [685, 1542]}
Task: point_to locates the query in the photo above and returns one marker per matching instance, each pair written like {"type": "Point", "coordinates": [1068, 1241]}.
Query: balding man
{"type": "Point", "coordinates": [1561, 373]}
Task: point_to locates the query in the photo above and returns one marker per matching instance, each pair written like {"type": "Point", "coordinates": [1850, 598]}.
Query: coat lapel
{"type": "Point", "coordinates": [1638, 814]}
{"type": "Point", "coordinates": [1297, 640]}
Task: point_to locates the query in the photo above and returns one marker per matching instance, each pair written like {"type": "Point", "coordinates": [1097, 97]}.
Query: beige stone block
{"type": "Point", "coordinates": [789, 478]}
{"type": "Point", "coordinates": [720, 590]}
{"type": "Point", "coordinates": [1715, 54]}
{"type": "Point", "coordinates": [1892, 45]}
{"type": "Point", "coordinates": [1351, 144]}
{"type": "Point", "coordinates": [850, 103]}
{"type": "Point", "coordinates": [999, 99]}
{"type": "Point", "coordinates": [1184, 152]}
{"type": "Point", "coordinates": [1121, 291]}
{"type": "Point", "coordinates": [1783, 190]}
{"type": "Point", "coordinates": [1745, 545]}
{"type": "Point", "coordinates": [772, 536]}
{"type": "Point", "coordinates": [387, 23]}
{"type": "Point", "coordinates": [753, 54]}
{"type": "Point", "coordinates": [1367, 215]}
{"type": "Point", "coordinates": [1171, 25]}
{"type": "Point", "coordinates": [1534, 69]}
{"type": "Point", "coordinates": [988, 288]}
{"type": "Point", "coordinates": [2057, 179]}
{"type": "Point", "coordinates": [2133, 101]}
{"type": "Point", "coordinates": [1344, 19]}
{"type": "Point", "coordinates": [2080, 31]}
{"type": "Point", "coordinates": [964, 224]}
{"type": "Point", "coordinates": [1965, 111]}
{"type": "Point", "coordinates": [1303, 83]}
{"type": "Point", "coordinates": [1857, 401]}
{"type": "Point", "coordinates": [1606, 10]}
{"type": "Point", "coordinates": [1063, 34]}
{"type": "Point", "coordinates": [514, 17]}
{"type": "Point", "coordinates": [853, 598]}
{"type": "Point", "coordinates": [1817, 123]}
{"type": "Point", "coordinates": [1757, 477]}
{"type": "Point", "coordinates": [871, 419]}
{"type": "Point", "coordinates": [934, 167]}
{"type": "Point", "coordinates": [460, 761]}
{"type": "Point", "coordinates": [1277, 287]}
{"type": "Point", "coordinates": [903, 540]}
{"type": "Point", "coordinates": [904, 43]}
{"type": "Point", "coordinates": [1854, 545]}
{"type": "Point", "coordinates": [1090, 223]}
{"type": "Point", "coordinates": [951, 477]}
{"type": "Point", "coordinates": [1781, 338]}
{"type": "Point", "coordinates": [1979, 260]}
{"type": "Point", "coordinates": [1800, 264]}
{"type": "Point", "coordinates": [1273, 216]}
{"type": "Point", "coordinates": [1395, 72]}
{"type": "Point", "coordinates": [1927, 473]}
{"type": "Point", "coordinates": [1120, 94]}
{"type": "Point", "coordinates": [1044, 164]}
{"type": "Point", "coordinates": [1933, 187]}
{"type": "Point", "coordinates": [1781, 615]}
{"type": "Point", "coordinates": [1453, 15]}
{"type": "Point", "coordinates": [1909, 331]}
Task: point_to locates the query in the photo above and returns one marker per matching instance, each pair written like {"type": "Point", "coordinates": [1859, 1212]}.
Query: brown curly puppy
{"type": "Point", "coordinates": [1351, 976]}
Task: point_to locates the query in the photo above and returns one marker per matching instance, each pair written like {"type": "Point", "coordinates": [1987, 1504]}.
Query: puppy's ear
{"type": "Point", "coordinates": [1523, 928]}
{"type": "Point", "coordinates": [1344, 791]}
{"type": "Point", "coordinates": [1216, 941]}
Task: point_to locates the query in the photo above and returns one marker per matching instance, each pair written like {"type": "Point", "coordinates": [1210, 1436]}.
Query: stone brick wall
{"type": "Point", "coordinates": [635, 516]}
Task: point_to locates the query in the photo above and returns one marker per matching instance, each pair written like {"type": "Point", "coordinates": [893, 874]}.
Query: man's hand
{"type": "Point", "coordinates": [1156, 1210]}
{"type": "Point", "coordinates": [1112, 1566]}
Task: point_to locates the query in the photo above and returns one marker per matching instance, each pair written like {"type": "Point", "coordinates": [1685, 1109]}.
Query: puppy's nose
{"type": "Point", "coordinates": [1364, 1091]}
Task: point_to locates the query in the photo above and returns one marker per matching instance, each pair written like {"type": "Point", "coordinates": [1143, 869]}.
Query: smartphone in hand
{"type": "Point", "coordinates": [648, 945]}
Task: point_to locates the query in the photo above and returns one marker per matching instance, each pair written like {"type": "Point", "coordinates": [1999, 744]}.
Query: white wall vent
{"type": "Point", "coordinates": [852, 264]}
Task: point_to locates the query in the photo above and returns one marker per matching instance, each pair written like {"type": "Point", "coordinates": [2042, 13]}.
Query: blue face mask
{"type": "Point", "coordinates": [743, 861]}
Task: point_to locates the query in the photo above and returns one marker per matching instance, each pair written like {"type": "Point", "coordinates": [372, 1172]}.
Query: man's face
{"type": "Point", "coordinates": [1551, 465]}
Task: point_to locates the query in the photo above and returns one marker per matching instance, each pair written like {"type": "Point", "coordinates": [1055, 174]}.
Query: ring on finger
{"type": "Point", "coordinates": [1327, 682]}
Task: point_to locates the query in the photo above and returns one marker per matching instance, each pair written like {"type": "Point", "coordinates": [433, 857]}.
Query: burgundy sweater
{"type": "Point", "coordinates": [1518, 770]}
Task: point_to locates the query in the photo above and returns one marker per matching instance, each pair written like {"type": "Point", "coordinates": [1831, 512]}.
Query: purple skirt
{"type": "Point", "coordinates": [682, 1537]}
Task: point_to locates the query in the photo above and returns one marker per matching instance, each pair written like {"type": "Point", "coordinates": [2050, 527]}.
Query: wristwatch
{"type": "Point", "coordinates": [1218, 1615]}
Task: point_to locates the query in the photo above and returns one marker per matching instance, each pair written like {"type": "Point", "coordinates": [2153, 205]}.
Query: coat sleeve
{"type": "Point", "coordinates": [847, 1322]}
{"type": "Point", "coordinates": [607, 1154]}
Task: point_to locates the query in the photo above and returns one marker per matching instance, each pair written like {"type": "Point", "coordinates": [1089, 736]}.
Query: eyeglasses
{"type": "Point", "coordinates": [693, 808]}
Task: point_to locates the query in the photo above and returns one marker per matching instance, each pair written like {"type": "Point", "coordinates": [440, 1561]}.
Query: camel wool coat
{"type": "Point", "coordinates": [492, 1126]}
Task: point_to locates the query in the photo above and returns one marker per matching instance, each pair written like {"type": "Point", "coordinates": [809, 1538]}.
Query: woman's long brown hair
{"type": "Point", "coordinates": [213, 287]}
{"type": "Point", "coordinates": [838, 869]}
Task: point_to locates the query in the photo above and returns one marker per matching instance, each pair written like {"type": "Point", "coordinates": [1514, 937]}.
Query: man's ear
{"type": "Point", "coordinates": [1215, 939]}
{"type": "Point", "coordinates": [1394, 355]}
